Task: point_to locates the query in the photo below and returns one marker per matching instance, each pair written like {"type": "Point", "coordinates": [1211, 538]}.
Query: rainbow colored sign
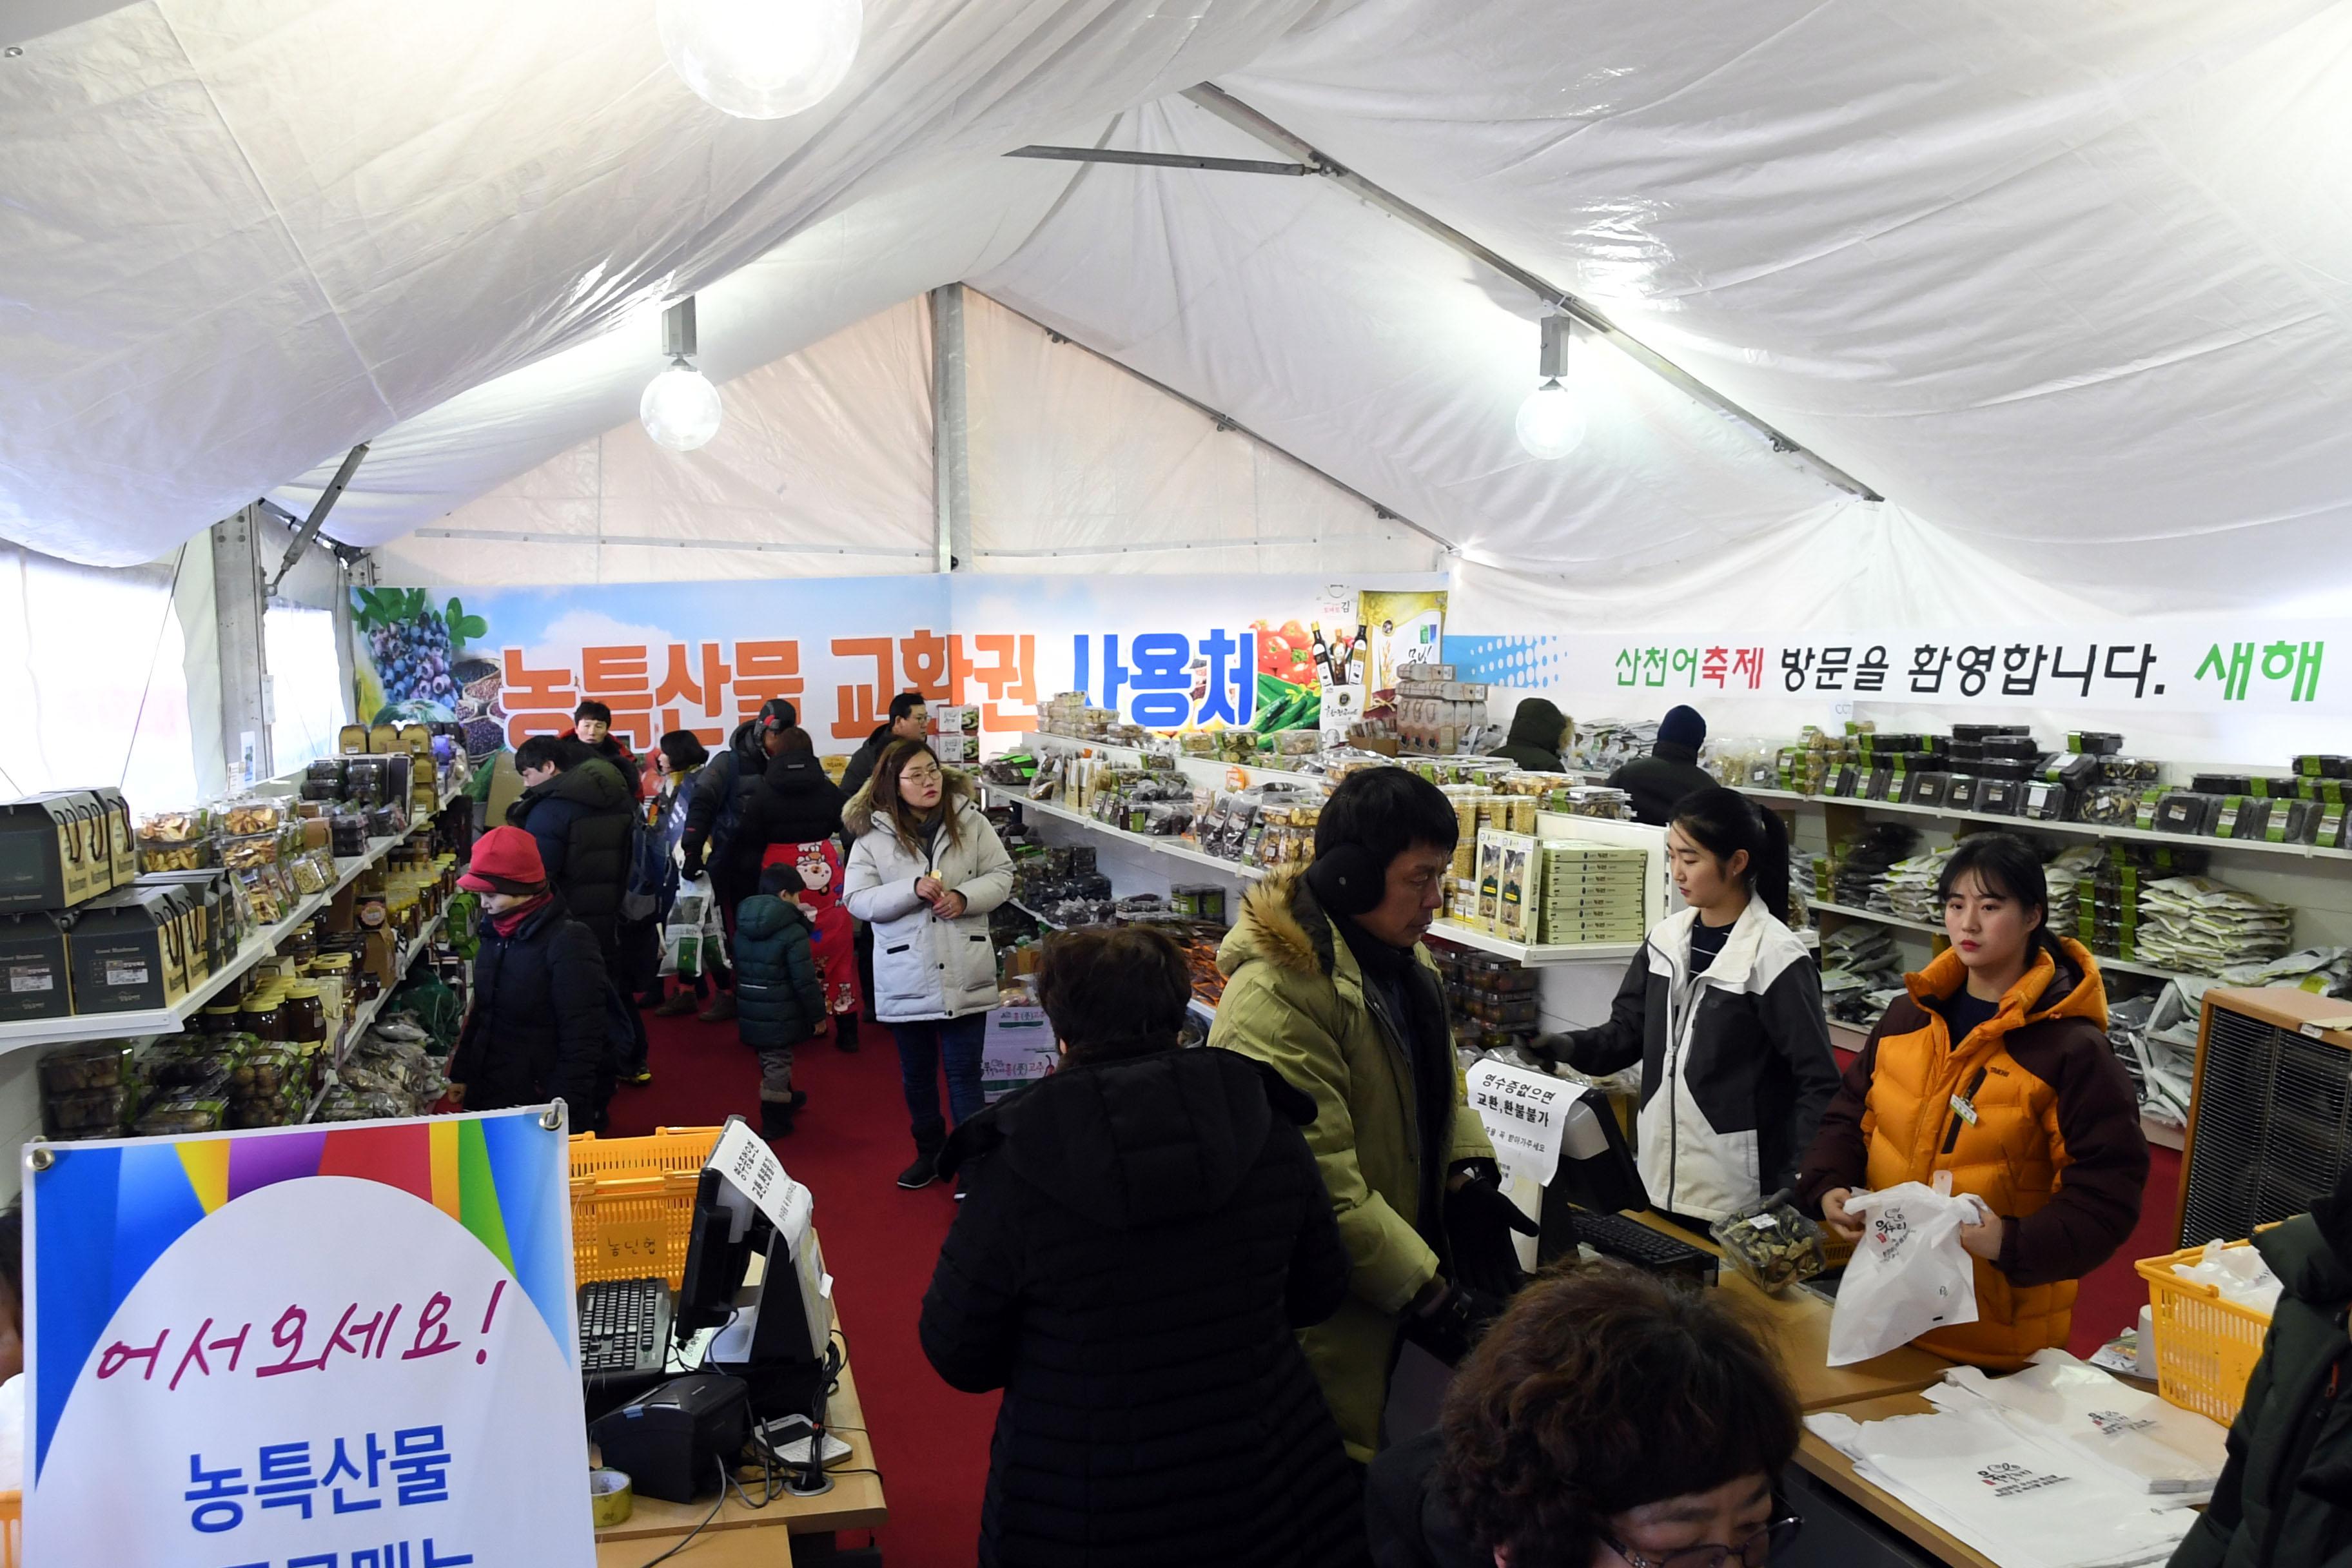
{"type": "Point", "coordinates": [306, 1343]}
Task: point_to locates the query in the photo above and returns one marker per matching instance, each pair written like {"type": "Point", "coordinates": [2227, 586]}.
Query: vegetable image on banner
{"type": "Point", "coordinates": [301, 1344]}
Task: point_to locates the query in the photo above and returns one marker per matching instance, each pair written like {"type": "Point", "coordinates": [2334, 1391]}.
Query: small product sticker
{"type": "Point", "coordinates": [121, 973]}
{"type": "Point", "coordinates": [1760, 1221]}
{"type": "Point", "coordinates": [23, 977]}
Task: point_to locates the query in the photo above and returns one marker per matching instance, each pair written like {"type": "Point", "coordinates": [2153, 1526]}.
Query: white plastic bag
{"type": "Point", "coordinates": [1909, 1272]}
{"type": "Point", "coordinates": [685, 937]}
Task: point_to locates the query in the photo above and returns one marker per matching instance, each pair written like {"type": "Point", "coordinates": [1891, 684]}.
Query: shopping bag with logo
{"type": "Point", "coordinates": [1909, 1273]}
{"type": "Point", "coordinates": [682, 937]}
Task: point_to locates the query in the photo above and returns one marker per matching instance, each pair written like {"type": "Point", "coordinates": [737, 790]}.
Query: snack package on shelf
{"type": "Point", "coordinates": [175, 841]}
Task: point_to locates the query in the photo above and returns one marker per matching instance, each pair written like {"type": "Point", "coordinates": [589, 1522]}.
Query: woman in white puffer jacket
{"type": "Point", "coordinates": [925, 872]}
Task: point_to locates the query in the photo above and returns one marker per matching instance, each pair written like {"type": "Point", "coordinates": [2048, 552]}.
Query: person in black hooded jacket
{"type": "Point", "coordinates": [721, 795]}
{"type": "Point", "coordinates": [1540, 732]}
{"type": "Point", "coordinates": [543, 1023]}
{"type": "Point", "coordinates": [794, 801]}
{"type": "Point", "coordinates": [1659, 781]}
{"type": "Point", "coordinates": [1142, 1234]}
{"type": "Point", "coordinates": [583, 814]}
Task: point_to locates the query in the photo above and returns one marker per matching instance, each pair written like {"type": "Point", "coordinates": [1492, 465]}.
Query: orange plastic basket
{"type": "Point", "coordinates": [2206, 1347]}
{"type": "Point", "coordinates": [11, 1529]}
{"type": "Point", "coordinates": [632, 1203]}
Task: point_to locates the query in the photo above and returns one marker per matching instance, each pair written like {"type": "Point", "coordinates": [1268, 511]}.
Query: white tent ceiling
{"type": "Point", "coordinates": [2071, 286]}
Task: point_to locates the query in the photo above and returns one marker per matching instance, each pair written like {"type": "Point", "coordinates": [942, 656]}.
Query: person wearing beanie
{"type": "Point", "coordinates": [778, 1001]}
{"type": "Point", "coordinates": [1539, 734]}
{"type": "Point", "coordinates": [2285, 1492]}
{"type": "Point", "coordinates": [544, 1021]}
{"type": "Point", "coordinates": [1659, 780]}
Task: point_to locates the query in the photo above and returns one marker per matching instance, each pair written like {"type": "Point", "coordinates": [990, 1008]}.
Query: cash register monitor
{"type": "Point", "coordinates": [1596, 1174]}
{"type": "Point", "coordinates": [787, 1320]}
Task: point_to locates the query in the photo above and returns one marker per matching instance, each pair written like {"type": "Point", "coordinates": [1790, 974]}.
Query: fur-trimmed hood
{"type": "Point", "coordinates": [1282, 923]}
{"type": "Point", "coordinates": [858, 814]}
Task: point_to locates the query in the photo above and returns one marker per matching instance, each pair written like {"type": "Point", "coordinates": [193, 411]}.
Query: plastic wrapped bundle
{"type": "Point", "coordinates": [1909, 890]}
{"type": "Point", "coordinates": [2202, 927]}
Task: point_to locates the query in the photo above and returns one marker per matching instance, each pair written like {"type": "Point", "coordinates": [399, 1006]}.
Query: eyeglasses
{"type": "Point", "coordinates": [1755, 1552]}
{"type": "Point", "coordinates": [920, 775]}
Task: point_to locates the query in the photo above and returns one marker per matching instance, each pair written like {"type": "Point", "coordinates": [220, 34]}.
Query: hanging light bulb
{"type": "Point", "coordinates": [762, 59]}
{"type": "Point", "coordinates": [1551, 424]}
{"type": "Point", "coordinates": [680, 409]}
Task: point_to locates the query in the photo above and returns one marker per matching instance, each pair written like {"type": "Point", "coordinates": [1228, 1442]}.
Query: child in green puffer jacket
{"type": "Point", "coordinates": [779, 1001]}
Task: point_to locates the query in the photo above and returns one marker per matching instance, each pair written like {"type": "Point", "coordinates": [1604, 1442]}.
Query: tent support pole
{"type": "Point", "coordinates": [1379, 509]}
{"type": "Point", "coordinates": [239, 601]}
{"type": "Point", "coordinates": [950, 447]}
{"type": "Point", "coordinates": [1235, 112]}
{"type": "Point", "coordinates": [1162, 160]}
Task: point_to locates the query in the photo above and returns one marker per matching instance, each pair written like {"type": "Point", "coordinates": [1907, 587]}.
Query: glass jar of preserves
{"type": "Point", "coordinates": [220, 1018]}
{"type": "Point", "coordinates": [259, 1016]}
{"type": "Point", "coordinates": [303, 1015]}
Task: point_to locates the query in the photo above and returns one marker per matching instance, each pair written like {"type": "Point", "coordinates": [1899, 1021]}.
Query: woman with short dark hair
{"type": "Point", "coordinates": [1143, 1233]}
{"type": "Point", "coordinates": [1606, 1419]}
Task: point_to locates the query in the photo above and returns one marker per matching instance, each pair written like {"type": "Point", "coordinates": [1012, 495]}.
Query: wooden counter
{"type": "Point", "coordinates": [1834, 1471]}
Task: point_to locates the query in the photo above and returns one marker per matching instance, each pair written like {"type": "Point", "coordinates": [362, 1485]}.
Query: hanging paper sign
{"type": "Point", "coordinates": [316, 1345]}
{"type": "Point", "coordinates": [745, 1159]}
{"type": "Point", "coordinates": [1525, 1116]}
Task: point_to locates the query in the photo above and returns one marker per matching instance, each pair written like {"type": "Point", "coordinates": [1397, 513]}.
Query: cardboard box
{"type": "Point", "coordinates": [35, 978]}
{"type": "Point", "coordinates": [129, 951]}
{"type": "Point", "coordinates": [121, 844]}
{"type": "Point", "coordinates": [213, 919]}
{"type": "Point", "coordinates": [53, 851]}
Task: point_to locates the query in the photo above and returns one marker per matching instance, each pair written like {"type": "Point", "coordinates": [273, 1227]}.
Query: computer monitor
{"type": "Point", "coordinates": [1596, 1173]}
{"type": "Point", "coordinates": [776, 1334]}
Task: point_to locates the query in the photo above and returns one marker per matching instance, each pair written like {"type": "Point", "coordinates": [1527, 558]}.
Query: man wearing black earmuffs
{"type": "Point", "coordinates": [1327, 984]}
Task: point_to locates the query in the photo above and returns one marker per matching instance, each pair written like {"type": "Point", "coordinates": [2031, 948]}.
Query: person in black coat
{"type": "Point", "coordinates": [1143, 1233]}
{"type": "Point", "coordinates": [1659, 781]}
{"type": "Point", "coordinates": [581, 812]}
{"type": "Point", "coordinates": [722, 793]}
{"type": "Point", "coordinates": [1539, 731]}
{"type": "Point", "coordinates": [542, 1024]}
{"type": "Point", "coordinates": [909, 720]}
{"type": "Point", "coordinates": [793, 800]}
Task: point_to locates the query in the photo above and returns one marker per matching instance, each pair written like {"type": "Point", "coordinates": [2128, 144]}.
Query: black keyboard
{"type": "Point", "coordinates": [624, 1328]}
{"type": "Point", "coordinates": [1614, 1235]}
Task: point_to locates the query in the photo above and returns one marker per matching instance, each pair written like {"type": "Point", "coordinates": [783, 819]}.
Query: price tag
{"type": "Point", "coordinates": [125, 973]}
{"type": "Point", "coordinates": [26, 978]}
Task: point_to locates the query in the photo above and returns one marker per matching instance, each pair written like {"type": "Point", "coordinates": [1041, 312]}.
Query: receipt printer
{"type": "Point", "coordinates": [671, 1441]}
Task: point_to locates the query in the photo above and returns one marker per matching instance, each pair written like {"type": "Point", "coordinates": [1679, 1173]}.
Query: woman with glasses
{"type": "Point", "coordinates": [1607, 1420]}
{"type": "Point", "coordinates": [925, 871]}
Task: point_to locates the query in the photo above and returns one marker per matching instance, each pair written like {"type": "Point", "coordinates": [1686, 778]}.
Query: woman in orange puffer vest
{"type": "Point", "coordinates": [1996, 1069]}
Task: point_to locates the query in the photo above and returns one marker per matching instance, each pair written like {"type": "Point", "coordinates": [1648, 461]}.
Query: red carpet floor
{"type": "Point", "coordinates": [930, 1442]}
{"type": "Point", "coordinates": [2112, 1294]}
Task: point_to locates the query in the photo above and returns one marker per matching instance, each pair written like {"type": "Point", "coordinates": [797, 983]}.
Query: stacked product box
{"type": "Point", "coordinates": [1591, 893]}
{"type": "Point", "coordinates": [1434, 710]}
{"type": "Point", "coordinates": [955, 734]}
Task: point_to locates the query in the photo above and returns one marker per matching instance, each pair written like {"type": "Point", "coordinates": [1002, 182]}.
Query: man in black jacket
{"type": "Point", "coordinates": [542, 1025]}
{"type": "Point", "coordinates": [1144, 1232]}
{"type": "Point", "coordinates": [1538, 733]}
{"type": "Point", "coordinates": [795, 802]}
{"type": "Point", "coordinates": [1659, 780]}
{"type": "Point", "coordinates": [908, 721]}
{"type": "Point", "coordinates": [582, 816]}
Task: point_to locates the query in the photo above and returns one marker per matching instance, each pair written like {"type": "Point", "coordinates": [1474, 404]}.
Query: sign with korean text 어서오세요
{"type": "Point", "coordinates": [2231, 663]}
{"type": "Point", "coordinates": [329, 1347]}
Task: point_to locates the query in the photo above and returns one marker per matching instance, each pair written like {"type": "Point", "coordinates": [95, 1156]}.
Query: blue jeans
{"type": "Point", "coordinates": [921, 1047]}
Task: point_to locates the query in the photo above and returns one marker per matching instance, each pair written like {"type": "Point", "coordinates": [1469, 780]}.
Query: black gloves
{"type": "Point", "coordinates": [1453, 1326]}
{"type": "Point", "coordinates": [1479, 1221]}
{"type": "Point", "coordinates": [693, 864]}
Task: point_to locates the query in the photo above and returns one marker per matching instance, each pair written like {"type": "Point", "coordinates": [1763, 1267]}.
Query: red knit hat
{"type": "Point", "coordinates": [506, 860]}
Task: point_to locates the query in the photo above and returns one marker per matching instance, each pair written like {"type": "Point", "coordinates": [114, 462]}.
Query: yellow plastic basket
{"type": "Point", "coordinates": [632, 1203]}
{"type": "Point", "coordinates": [2206, 1347]}
{"type": "Point", "coordinates": [11, 1529]}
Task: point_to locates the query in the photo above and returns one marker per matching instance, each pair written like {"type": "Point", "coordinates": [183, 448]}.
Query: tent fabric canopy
{"type": "Point", "coordinates": [2068, 286]}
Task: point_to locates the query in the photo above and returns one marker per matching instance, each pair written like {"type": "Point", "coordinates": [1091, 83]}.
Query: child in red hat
{"type": "Point", "coordinates": [542, 1025]}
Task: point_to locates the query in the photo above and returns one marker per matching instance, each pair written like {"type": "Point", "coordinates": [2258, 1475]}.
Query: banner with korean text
{"type": "Point", "coordinates": [323, 1347]}
{"type": "Point", "coordinates": [2226, 665]}
{"type": "Point", "coordinates": [1165, 652]}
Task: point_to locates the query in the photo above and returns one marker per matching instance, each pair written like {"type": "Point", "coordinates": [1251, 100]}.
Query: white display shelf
{"type": "Point", "coordinates": [366, 1013]}
{"type": "Point", "coordinates": [2122, 965]}
{"type": "Point", "coordinates": [2067, 829]}
{"type": "Point", "coordinates": [24, 1033]}
{"type": "Point", "coordinates": [1536, 955]}
{"type": "Point", "coordinates": [1848, 1037]}
{"type": "Point", "coordinates": [1207, 1010]}
{"type": "Point", "coordinates": [1258, 771]}
{"type": "Point", "coordinates": [1171, 847]}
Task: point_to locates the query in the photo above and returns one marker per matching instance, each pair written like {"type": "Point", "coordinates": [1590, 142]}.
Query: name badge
{"type": "Point", "coordinates": [1964, 1109]}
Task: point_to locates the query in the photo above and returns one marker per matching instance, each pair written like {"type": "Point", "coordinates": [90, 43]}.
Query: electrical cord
{"type": "Point", "coordinates": [706, 1519]}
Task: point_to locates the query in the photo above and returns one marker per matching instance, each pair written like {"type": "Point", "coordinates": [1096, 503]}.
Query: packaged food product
{"type": "Point", "coordinates": [89, 1112]}
{"type": "Point", "coordinates": [265, 894]}
{"type": "Point", "coordinates": [178, 1116]}
{"type": "Point", "coordinates": [250, 815]}
{"type": "Point", "coordinates": [313, 871]}
{"type": "Point", "coordinates": [1771, 1243]}
{"type": "Point", "coordinates": [96, 1064]}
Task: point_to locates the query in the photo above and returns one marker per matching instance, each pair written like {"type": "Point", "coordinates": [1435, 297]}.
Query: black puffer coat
{"type": "Point", "coordinates": [1661, 781]}
{"type": "Point", "coordinates": [777, 997]}
{"type": "Point", "coordinates": [721, 791]}
{"type": "Point", "coordinates": [584, 820]}
{"type": "Point", "coordinates": [792, 803]}
{"type": "Point", "coordinates": [1138, 1242]}
{"type": "Point", "coordinates": [540, 1024]}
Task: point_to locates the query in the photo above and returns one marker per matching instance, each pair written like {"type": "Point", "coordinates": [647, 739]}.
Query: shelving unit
{"type": "Point", "coordinates": [26, 1033]}
{"type": "Point", "coordinates": [2064, 829]}
{"type": "Point", "coordinates": [1001, 794]}
{"type": "Point", "coordinates": [1880, 917]}
{"type": "Point", "coordinates": [1533, 956]}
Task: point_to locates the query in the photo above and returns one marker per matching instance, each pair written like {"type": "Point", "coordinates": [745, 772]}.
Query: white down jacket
{"type": "Point", "coordinates": [925, 967]}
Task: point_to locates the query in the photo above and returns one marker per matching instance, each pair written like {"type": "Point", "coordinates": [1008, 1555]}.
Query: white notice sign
{"type": "Point", "coordinates": [1525, 1113]}
{"type": "Point", "coordinates": [745, 1159]}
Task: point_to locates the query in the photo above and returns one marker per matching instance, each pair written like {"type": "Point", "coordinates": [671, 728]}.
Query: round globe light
{"type": "Point", "coordinates": [680, 408]}
{"type": "Point", "coordinates": [762, 59]}
{"type": "Point", "coordinates": [1551, 424]}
